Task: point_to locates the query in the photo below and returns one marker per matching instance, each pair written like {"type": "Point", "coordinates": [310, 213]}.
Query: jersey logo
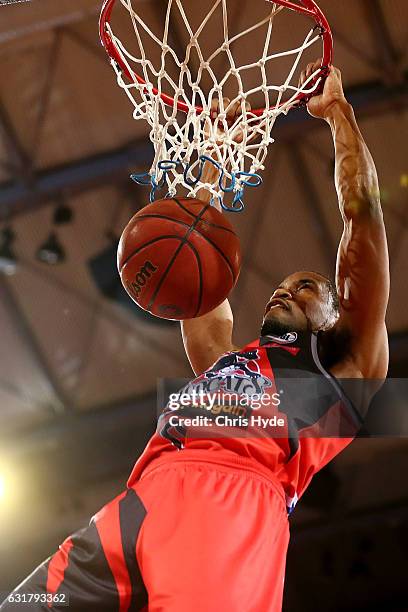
{"type": "Point", "coordinates": [239, 364]}
{"type": "Point", "coordinates": [235, 372]}
{"type": "Point", "coordinates": [287, 338]}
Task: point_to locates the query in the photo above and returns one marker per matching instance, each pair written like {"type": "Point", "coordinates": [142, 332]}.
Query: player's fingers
{"type": "Point", "coordinates": [226, 105]}
{"type": "Point", "coordinates": [317, 64]}
{"type": "Point", "coordinates": [312, 67]}
{"type": "Point", "coordinates": [217, 106]}
{"type": "Point", "coordinates": [247, 106]}
{"type": "Point", "coordinates": [235, 109]}
{"type": "Point", "coordinates": [238, 107]}
{"type": "Point", "coordinates": [309, 70]}
{"type": "Point", "coordinates": [302, 78]}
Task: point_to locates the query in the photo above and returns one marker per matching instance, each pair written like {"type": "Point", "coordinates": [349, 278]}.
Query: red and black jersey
{"type": "Point", "coordinates": [204, 518]}
{"type": "Point", "coordinates": [307, 421]}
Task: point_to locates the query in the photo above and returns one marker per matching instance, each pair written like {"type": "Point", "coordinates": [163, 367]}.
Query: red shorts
{"type": "Point", "coordinates": [191, 534]}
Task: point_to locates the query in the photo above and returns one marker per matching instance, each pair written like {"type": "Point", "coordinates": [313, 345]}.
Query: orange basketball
{"type": "Point", "coordinates": [179, 258]}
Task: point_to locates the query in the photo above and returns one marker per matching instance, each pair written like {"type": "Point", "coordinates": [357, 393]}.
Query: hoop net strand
{"type": "Point", "coordinates": [184, 141]}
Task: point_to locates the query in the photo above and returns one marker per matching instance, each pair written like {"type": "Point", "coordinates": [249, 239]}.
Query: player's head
{"type": "Point", "coordinates": [303, 301]}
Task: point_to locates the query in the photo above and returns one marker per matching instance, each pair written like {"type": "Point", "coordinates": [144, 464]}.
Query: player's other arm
{"type": "Point", "coordinates": [362, 274]}
{"type": "Point", "coordinates": [208, 337]}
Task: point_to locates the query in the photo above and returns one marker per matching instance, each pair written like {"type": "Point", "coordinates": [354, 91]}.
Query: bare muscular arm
{"type": "Point", "coordinates": [208, 337]}
{"type": "Point", "coordinates": [362, 275]}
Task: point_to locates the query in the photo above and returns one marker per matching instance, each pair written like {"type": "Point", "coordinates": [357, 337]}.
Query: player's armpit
{"type": "Point", "coordinates": [208, 337]}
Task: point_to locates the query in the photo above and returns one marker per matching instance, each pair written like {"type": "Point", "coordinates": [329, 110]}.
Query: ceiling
{"type": "Point", "coordinates": [60, 109]}
{"type": "Point", "coordinates": [67, 134]}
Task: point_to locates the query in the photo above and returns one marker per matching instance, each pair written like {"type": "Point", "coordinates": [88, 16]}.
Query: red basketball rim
{"type": "Point", "coordinates": [305, 7]}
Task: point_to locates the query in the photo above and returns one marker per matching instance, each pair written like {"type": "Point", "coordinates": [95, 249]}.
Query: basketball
{"type": "Point", "coordinates": [179, 258]}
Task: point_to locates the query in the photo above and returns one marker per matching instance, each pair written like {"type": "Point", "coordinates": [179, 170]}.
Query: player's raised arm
{"type": "Point", "coordinates": [206, 338]}
{"type": "Point", "coordinates": [362, 262]}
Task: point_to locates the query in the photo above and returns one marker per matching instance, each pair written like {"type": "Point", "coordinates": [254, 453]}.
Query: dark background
{"type": "Point", "coordinates": [79, 370]}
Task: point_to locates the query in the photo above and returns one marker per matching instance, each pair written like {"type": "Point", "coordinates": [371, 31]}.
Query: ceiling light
{"type": "Point", "coordinates": [51, 252]}
{"type": "Point", "coordinates": [63, 214]}
{"type": "Point", "coordinates": [8, 260]}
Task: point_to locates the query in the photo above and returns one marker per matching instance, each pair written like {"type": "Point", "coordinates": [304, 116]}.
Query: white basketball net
{"type": "Point", "coordinates": [183, 140]}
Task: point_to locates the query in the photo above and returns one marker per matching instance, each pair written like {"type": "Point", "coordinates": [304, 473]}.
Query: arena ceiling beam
{"type": "Point", "coordinates": [368, 100]}
{"type": "Point", "coordinates": [96, 171]}
{"type": "Point", "coordinates": [356, 48]}
{"type": "Point", "coordinates": [387, 56]}
{"type": "Point", "coordinates": [8, 299]}
{"type": "Point", "coordinates": [312, 201]}
{"type": "Point", "coordinates": [109, 310]}
{"type": "Point", "coordinates": [112, 167]}
{"type": "Point", "coordinates": [95, 49]}
{"type": "Point", "coordinates": [45, 25]}
{"type": "Point", "coordinates": [256, 222]}
{"type": "Point", "coordinates": [18, 160]}
{"type": "Point", "coordinates": [50, 71]}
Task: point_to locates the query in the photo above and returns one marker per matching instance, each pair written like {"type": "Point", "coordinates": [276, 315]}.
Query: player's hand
{"type": "Point", "coordinates": [320, 106]}
{"type": "Point", "coordinates": [233, 112]}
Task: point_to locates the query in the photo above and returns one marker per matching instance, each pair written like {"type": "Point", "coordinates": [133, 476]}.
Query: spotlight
{"type": "Point", "coordinates": [63, 214]}
{"type": "Point", "coordinates": [9, 501]}
{"type": "Point", "coordinates": [8, 260]}
{"type": "Point", "coordinates": [51, 252]}
{"type": "Point", "coordinates": [3, 487]}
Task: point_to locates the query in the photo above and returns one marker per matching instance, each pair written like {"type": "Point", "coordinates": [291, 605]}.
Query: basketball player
{"type": "Point", "coordinates": [203, 524]}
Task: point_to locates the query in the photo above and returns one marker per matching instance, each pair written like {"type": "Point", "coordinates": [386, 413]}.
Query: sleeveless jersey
{"type": "Point", "coordinates": [272, 402]}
